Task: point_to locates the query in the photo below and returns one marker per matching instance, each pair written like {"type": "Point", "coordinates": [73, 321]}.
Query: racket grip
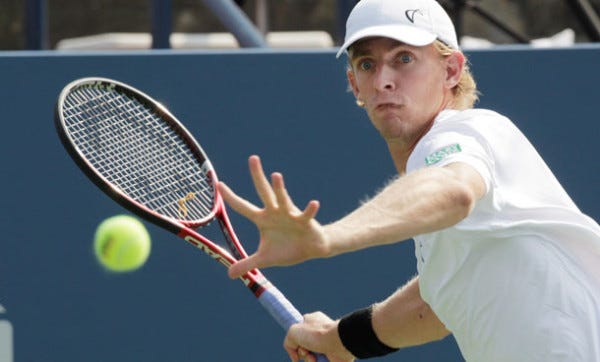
{"type": "Point", "coordinates": [283, 311]}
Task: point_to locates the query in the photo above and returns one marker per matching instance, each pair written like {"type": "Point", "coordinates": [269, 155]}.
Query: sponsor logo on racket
{"type": "Point", "coordinates": [181, 204]}
{"type": "Point", "coordinates": [213, 254]}
{"type": "Point", "coordinates": [100, 84]}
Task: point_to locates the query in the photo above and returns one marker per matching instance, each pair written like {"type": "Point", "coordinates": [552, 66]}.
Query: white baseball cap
{"type": "Point", "coordinates": [414, 22]}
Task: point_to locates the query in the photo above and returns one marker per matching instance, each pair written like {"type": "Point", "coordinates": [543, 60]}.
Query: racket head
{"type": "Point", "coordinates": [137, 152]}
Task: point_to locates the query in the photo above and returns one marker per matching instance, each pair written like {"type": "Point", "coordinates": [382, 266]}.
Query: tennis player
{"type": "Point", "coordinates": [506, 261]}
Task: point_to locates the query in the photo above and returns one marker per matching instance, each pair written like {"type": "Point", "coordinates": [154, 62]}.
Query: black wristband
{"type": "Point", "coordinates": [357, 335]}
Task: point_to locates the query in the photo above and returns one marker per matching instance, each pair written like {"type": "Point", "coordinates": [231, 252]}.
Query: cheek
{"type": "Point", "coordinates": [430, 83]}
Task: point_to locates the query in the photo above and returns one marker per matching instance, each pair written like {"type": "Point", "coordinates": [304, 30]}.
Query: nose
{"type": "Point", "coordinates": [384, 79]}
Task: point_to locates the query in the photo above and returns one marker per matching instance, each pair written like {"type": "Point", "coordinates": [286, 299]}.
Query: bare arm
{"type": "Point", "coordinates": [402, 320]}
{"type": "Point", "coordinates": [423, 201]}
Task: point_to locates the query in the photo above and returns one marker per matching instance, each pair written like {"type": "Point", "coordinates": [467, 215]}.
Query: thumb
{"type": "Point", "coordinates": [242, 266]}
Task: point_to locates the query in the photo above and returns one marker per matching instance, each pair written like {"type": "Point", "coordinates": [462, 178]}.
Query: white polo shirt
{"type": "Point", "coordinates": [519, 278]}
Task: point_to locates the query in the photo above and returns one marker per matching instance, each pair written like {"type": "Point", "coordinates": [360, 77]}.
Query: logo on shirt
{"type": "Point", "coordinates": [442, 153]}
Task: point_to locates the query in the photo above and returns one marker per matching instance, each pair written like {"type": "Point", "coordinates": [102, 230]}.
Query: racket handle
{"type": "Point", "coordinates": [283, 311]}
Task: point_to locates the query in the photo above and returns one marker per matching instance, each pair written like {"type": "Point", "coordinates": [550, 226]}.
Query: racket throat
{"type": "Point", "coordinates": [231, 244]}
{"type": "Point", "coordinates": [258, 287]}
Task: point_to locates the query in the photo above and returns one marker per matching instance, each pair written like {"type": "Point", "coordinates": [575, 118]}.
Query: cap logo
{"type": "Point", "coordinates": [410, 14]}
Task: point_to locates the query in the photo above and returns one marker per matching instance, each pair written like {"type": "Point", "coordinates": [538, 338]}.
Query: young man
{"type": "Point", "coordinates": [506, 262]}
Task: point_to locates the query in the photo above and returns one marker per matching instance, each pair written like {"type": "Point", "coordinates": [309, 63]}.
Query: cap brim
{"type": "Point", "coordinates": [403, 33]}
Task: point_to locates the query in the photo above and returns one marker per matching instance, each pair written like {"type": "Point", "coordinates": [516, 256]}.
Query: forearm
{"type": "Point", "coordinates": [420, 202]}
{"type": "Point", "coordinates": [404, 319]}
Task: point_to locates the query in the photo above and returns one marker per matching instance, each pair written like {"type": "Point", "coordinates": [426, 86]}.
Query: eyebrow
{"type": "Point", "coordinates": [359, 49]}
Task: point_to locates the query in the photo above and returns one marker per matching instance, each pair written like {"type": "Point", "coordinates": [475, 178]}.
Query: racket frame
{"type": "Point", "coordinates": [254, 280]}
{"type": "Point", "coordinates": [280, 308]}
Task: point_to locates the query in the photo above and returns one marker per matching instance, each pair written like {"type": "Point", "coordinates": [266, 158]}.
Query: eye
{"type": "Point", "coordinates": [405, 58]}
{"type": "Point", "coordinates": [365, 65]}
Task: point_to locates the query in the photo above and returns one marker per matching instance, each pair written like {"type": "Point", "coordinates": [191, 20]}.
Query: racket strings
{"type": "Point", "coordinates": [138, 152]}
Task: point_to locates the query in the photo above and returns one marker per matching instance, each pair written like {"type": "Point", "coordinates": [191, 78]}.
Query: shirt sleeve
{"type": "Point", "coordinates": [439, 149]}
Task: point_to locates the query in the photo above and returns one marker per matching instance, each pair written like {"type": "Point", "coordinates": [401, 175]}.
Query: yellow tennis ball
{"type": "Point", "coordinates": [122, 243]}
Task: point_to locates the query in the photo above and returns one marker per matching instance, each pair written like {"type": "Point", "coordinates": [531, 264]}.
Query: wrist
{"type": "Point", "coordinates": [340, 238]}
{"type": "Point", "coordinates": [358, 336]}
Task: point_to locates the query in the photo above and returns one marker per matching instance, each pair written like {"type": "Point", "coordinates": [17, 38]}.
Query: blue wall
{"type": "Point", "coordinates": [292, 109]}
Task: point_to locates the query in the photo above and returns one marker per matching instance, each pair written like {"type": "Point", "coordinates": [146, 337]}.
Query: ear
{"type": "Point", "coordinates": [454, 67]}
{"type": "Point", "coordinates": [352, 83]}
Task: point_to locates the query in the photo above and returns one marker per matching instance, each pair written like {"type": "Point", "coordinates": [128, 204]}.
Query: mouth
{"type": "Point", "coordinates": [387, 106]}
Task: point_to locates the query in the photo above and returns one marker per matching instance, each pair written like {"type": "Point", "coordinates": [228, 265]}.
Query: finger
{"type": "Point", "coordinates": [312, 317]}
{"type": "Point", "coordinates": [283, 198]}
{"type": "Point", "coordinates": [294, 357]}
{"type": "Point", "coordinates": [296, 351]}
{"type": "Point", "coordinates": [305, 355]}
{"type": "Point", "coordinates": [291, 348]}
{"type": "Point", "coordinates": [243, 266]}
{"type": "Point", "coordinates": [310, 211]}
{"type": "Point", "coordinates": [261, 184]}
{"type": "Point", "coordinates": [237, 203]}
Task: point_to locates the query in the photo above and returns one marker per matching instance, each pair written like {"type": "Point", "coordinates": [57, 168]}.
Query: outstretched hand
{"type": "Point", "coordinates": [288, 235]}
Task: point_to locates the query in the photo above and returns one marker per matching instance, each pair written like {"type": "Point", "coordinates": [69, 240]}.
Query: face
{"type": "Point", "coordinates": [403, 87]}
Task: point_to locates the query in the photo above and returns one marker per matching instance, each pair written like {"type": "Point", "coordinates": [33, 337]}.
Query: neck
{"type": "Point", "coordinates": [400, 156]}
{"type": "Point", "coordinates": [401, 149]}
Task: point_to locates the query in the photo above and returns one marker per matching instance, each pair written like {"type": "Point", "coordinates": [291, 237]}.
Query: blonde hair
{"type": "Point", "coordinates": [465, 92]}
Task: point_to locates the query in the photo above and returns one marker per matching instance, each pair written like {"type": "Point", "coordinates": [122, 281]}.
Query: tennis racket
{"type": "Point", "coordinates": [139, 154]}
